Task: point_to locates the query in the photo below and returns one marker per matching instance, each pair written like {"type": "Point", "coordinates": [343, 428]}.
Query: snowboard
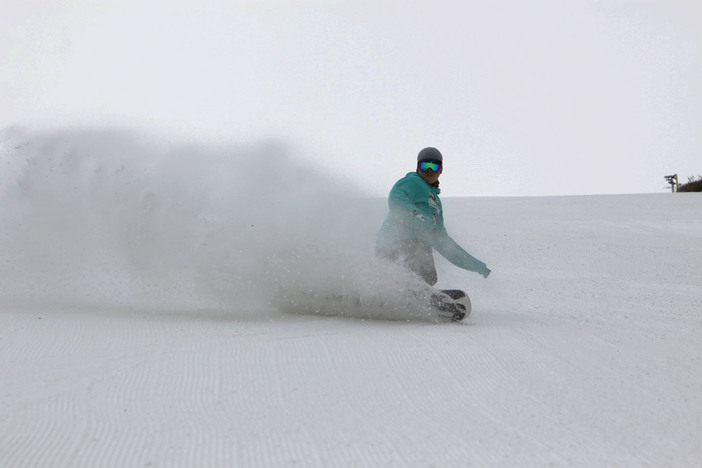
{"type": "Point", "coordinates": [418, 303]}
{"type": "Point", "coordinates": [452, 304]}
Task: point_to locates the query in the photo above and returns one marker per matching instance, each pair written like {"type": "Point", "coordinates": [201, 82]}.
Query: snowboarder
{"type": "Point", "coordinates": [415, 223]}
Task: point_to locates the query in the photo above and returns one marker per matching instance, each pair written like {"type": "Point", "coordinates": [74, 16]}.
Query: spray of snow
{"type": "Point", "coordinates": [118, 218]}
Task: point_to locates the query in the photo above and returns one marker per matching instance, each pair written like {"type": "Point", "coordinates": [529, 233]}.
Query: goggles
{"type": "Point", "coordinates": [429, 164]}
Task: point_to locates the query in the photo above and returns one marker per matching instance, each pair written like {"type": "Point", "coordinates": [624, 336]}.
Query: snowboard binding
{"type": "Point", "coordinates": [452, 304]}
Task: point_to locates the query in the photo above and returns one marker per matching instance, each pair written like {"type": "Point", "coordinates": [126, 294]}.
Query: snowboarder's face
{"type": "Point", "coordinates": [430, 171]}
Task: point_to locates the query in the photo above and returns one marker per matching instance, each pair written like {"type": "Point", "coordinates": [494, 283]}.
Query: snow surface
{"type": "Point", "coordinates": [141, 321]}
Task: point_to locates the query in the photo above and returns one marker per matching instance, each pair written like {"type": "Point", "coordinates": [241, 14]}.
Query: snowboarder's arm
{"type": "Point", "coordinates": [455, 254]}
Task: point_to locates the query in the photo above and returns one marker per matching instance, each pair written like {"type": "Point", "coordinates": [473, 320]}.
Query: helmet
{"type": "Point", "coordinates": [430, 153]}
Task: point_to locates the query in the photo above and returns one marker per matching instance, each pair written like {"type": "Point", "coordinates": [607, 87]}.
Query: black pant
{"type": "Point", "coordinates": [413, 254]}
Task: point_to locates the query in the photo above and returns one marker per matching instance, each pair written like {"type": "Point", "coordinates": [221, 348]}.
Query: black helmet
{"type": "Point", "coordinates": [430, 153]}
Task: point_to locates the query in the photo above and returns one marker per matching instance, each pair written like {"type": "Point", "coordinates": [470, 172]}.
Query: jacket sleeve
{"type": "Point", "coordinates": [455, 254]}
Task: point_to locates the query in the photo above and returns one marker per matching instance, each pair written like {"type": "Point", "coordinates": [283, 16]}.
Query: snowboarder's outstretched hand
{"type": "Point", "coordinates": [485, 272]}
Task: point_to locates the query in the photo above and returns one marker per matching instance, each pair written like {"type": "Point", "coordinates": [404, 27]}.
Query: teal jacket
{"type": "Point", "coordinates": [416, 213]}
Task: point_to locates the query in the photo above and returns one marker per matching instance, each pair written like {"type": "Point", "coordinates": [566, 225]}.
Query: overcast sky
{"type": "Point", "coordinates": [544, 97]}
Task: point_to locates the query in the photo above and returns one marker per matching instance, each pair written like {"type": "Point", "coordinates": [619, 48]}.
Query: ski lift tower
{"type": "Point", "coordinates": [673, 181]}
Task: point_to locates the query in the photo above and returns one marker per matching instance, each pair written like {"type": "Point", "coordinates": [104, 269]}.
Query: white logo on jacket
{"type": "Point", "coordinates": [434, 203]}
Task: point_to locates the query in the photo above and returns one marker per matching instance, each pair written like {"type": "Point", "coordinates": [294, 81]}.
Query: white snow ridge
{"type": "Point", "coordinates": [143, 285]}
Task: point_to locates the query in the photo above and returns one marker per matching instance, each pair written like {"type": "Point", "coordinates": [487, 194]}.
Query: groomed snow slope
{"type": "Point", "coordinates": [139, 321]}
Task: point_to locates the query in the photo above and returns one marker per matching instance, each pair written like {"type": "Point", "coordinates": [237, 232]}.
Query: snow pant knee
{"type": "Point", "coordinates": [415, 255]}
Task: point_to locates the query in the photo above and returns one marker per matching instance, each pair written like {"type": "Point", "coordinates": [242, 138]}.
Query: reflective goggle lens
{"type": "Point", "coordinates": [426, 165]}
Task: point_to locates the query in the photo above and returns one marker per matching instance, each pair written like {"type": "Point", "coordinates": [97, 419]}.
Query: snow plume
{"type": "Point", "coordinates": [114, 218]}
